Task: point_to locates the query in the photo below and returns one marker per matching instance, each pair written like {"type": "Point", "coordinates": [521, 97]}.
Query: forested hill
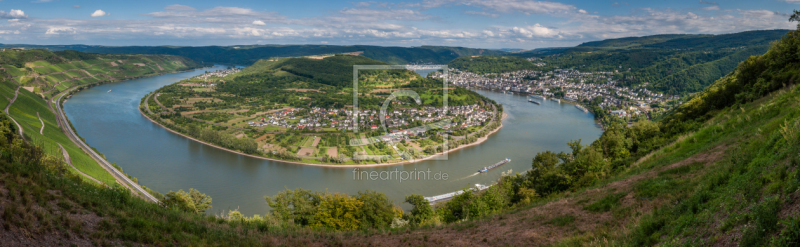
{"type": "Point", "coordinates": [492, 64]}
{"type": "Point", "coordinates": [336, 71]}
{"type": "Point", "coordinates": [249, 54]}
{"type": "Point", "coordinates": [687, 41]}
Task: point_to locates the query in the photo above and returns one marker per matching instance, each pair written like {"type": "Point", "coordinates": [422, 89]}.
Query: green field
{"type": "Point", "coordinates": [24, 111]}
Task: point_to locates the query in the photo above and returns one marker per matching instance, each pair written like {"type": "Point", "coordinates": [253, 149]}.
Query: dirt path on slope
{"type": "Point", "coordinates": [41, 131]}
{"type": "Point", "coordinates": [69, 162]}
{"type": "Point", "coordinates": [19, 127]}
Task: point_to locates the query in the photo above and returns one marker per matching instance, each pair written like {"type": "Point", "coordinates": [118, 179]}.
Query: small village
{"type": "Point", "coordinates": [218, 73]}
{"type": "Point", "coordinates": [409, 122]}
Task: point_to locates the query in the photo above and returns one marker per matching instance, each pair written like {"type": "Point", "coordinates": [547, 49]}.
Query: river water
{"type": "Point", "coordinates": [163, 161]}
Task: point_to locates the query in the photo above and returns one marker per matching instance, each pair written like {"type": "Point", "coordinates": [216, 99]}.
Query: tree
{"type": "Point", "coordinates": [377, 211]}
{"type": "Point", "coordinates": [795, 16]}
{"type": "Point", "coordinates": [202, 202]}
{"type": "Point", "coordinates": [576, 147]}
{"type": "Point", "coordinates": [179, 200]}
{"type": "Point", "coordinates": [547, 175]}
{"type": "Point", "coordinates": [421, 210]}
{"type": "Point", "coordinates": [297, 206]}
{"type": "Point", "coordinates": [193, 201]}
{"type": "Point", "coordinates": [338, 211]}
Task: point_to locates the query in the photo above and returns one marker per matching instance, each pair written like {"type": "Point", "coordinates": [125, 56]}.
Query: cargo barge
{"type": "Point", "coordinates": [502, 162]}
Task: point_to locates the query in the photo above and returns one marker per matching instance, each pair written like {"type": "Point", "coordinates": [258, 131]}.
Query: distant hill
{"type": "Point", "coordinates": [334, 71]}
{"type": "Point", "coordinates": [544, 51]}
{"type": "Point", "coordinates": [50, 72]}
{"type": "Point", "coordinates": [491, 64]}
{"type": "Point", "coordinates": [688, 41]}
{"type": "Point", "coordinates": [670, 63]}
{"type": "Point", "coordinates": [249, 54]}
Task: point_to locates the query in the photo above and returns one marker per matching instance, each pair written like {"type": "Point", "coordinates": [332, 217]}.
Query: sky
{"type": "Point", "coordinates": [521, 24]}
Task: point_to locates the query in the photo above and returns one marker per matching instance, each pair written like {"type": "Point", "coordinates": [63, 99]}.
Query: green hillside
{"type": "Point", "coordinates": [37, 76]}
{"type": "Point", "coordinates": [334, 71]}
{"type": "Point", "coordinates": [492, 64]}
{"type": "Point", "coordinates": [48, 73]}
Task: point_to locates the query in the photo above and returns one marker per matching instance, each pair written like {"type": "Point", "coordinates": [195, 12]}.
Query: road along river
{"type": "Point", "coordinates": [163, 161]}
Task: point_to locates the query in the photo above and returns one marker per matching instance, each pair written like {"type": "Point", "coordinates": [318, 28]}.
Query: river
{"type": "Point", "coordinates": [163, 161]}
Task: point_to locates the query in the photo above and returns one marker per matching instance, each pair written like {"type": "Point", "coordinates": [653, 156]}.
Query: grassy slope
{"type": "Point", "coordinates": [27, 104]}
{"type": "Point", "coordinates": [24, 111]}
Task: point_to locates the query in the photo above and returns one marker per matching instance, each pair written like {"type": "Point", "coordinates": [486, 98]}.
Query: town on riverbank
{"type": "Point", "coordinates": [598, 92]}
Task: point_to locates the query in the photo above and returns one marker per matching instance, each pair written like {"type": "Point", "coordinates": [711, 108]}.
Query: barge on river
{"type": "Point", "coordinates": [444, 197]}
{"type": "Point", "coordinates": [502, 162]}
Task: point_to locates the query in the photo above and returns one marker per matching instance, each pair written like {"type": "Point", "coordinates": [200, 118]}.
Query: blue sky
{"type": "Point", "coordinates": [470, 23]}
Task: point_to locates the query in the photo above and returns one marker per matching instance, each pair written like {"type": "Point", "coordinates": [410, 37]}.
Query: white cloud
{"type": "Point", "coordinates": [216, 14]}
{"type": "Point", "coordinates": [13, 14]}
{"type": "Point", "coordinates": [760, 14]}
{"type": "Point", "coordinates": [793, 1]}
{"type": "Point", "coordinates": [59, 30]}
{"type": "Point", "coordinates": [535, 31]}
{"type": "Point", "coordinates": [482, 13]}
{"type": "Point", "coordinates": [507, 6]}
{"type": "Point", "coordinates": [390, 26]}
{"type": "Point", "coordinates": [361, 14]}
{"type": "Point", "coordinates": [178, 7]}
{"type": "Point", "coordinates": [525, 7]}
{"type": "Point", "coordinates": [99, 13]}
{"type": "Point", "coordinates": [712, 3]}
{"type": "Point", "coordinates": [711, 8]}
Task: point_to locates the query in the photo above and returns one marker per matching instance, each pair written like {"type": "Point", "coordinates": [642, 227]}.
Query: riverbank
{"type": "Point", "coordinates": [479, 141]}
{"type": "Point", "coordinates": [164, 161]}
{"type": "Point", "coordinates": [55, 103]}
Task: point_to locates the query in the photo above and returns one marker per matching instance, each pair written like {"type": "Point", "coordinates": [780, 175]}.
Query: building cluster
{"type": "Point", "coordinates": [317, 118]}
{"type": "Point", "coordinates": [566, 84]}
{"type": "Point", "coordinates": [536, 61]}
{"type": "Point", "coordinates": [218, 73]}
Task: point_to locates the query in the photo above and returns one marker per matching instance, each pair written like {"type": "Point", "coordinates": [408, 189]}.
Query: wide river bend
{"type": "Point", "coordinates": [163, 161]}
